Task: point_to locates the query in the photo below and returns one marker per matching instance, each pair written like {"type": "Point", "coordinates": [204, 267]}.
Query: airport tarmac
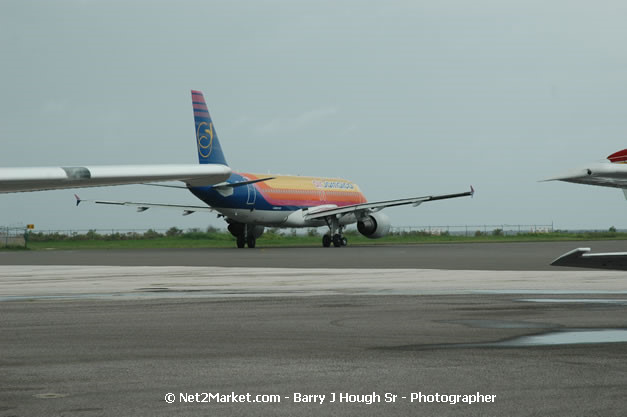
{"type": "Point", "coordinates": [91, 340]}
{"type": "Point", "coordinates": [525, 256]}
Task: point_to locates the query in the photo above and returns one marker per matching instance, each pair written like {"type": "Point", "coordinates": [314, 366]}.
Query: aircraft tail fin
{"type": "Point", "coordinates": [209, 149]}
{"type": "Point", "coordinates": [619, 157]}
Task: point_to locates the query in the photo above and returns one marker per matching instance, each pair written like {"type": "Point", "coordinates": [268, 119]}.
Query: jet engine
{"type": "Point", "coordinates": [374, 225]}
{"type": "Point", "coordinates": [237, 229]}
{"type": "Point", "coordinates": [256, 231]}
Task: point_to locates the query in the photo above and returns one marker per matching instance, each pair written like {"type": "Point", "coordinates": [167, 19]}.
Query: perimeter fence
{"type": "Point", "coordinates": [456, 230]}
{"type": "Point", "coordinates": [13, 237]}
{"type": "Point", "coordinates": [475, 230]}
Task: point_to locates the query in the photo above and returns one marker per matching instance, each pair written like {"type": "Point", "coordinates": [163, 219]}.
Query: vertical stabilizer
{"type": "Point", "coordinates": [209, 149]}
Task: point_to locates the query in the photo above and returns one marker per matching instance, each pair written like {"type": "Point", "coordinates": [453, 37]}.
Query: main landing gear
{"type": "Point", "coordinates": [245, 234]}
{"type": "Point", "coordinates": [243, 240]}
{"type": "Point", "coordinates": [335, 235]}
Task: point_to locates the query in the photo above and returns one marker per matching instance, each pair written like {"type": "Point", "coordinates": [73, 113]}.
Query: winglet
{"type": "Point", "coordinates": [78, 200]}
{"type": "Point", "coordinates": [572, 258]}
{"type": "Point", "coordinates": [472, 191]}
{"type": "Point", "coordinates": [582, 258]}
{"type": "Point", "coordinates": [619, 157]}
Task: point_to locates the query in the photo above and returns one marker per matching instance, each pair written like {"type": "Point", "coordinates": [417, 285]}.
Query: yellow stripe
{"type": "Point", "coordinates": [308, 183]}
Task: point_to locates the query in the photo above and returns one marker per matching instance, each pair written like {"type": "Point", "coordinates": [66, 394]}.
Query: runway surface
{"type": "Point", "coordinates": [116, 339]}
{"type": "Point", "coordinates": [535, 256]}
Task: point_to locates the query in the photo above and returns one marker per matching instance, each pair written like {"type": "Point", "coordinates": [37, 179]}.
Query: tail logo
{"type": "Point", "coordinates": [205, 143]}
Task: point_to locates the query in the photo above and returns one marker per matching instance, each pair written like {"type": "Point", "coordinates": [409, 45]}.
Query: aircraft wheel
{"type": "Point", "coordinates": [326, 241]}
{"type": "Point", "coordinates": [241, 242]}
{"type": "Point", "coordinates": [337, 241]}
{"type": "Point", "coordinates": [344, 241]}
{"type": "Point", "coordinates": [251, 241]}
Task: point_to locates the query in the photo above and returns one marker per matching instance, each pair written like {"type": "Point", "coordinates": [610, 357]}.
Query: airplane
{"type": "Point", "coordinates": [250, 202]}
{"type": "Point", "coordinates": [612, 174]}
{"type": "Point", "coordinates": [606, 174]}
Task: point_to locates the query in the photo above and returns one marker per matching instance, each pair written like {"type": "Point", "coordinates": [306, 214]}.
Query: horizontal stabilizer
{"type": "Point", "coordinates": [239, 184]}
{"type": "Point", "coordinates": [141, 207]}
{"type": "Point", "coordinates": [582, 258]}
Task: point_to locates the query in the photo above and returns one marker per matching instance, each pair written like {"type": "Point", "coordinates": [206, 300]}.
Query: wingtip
{"type": "Point", "coordinates": [619, 157]}
{"type": "Point", "coordinates": [563, 177]}
{"type": "Point", "coordinates": [570, 258]}
{"type": "Point", "coordinates": [78, 199]}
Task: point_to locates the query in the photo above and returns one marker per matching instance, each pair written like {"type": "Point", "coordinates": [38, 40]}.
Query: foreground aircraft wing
{"type": "Point", "coordinates": [612, 174]}
{"type": "Point", "coordinates": [582, 258]}
{"type": "Point", "coordinates": [145, 206]}
{"type": "Point", "coordinates": [52, 178]}
{"type": "Point", "coordinates": [380, 205]}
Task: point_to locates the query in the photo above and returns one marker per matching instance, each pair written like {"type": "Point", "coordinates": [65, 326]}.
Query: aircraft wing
{"type": "Point", "coordinates": [582, 258]}
{"type": "Point", "coordinates": [609, 174]}
{"type": "Point", "coordinates": [602, 174]}
{"type": "Point", "coordinates": [51, 178]}
{"type": "Point", "coordinates": [380, 205]}
{"type": "Point", "coordinates": [145, 206]}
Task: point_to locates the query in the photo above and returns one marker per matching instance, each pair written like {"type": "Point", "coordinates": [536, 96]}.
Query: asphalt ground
{"type": "Point", "coordinates": [109, 357]}
{"type": "Point", "coordinates": [531, 256]}
{"type": "Point", "coordinates": [73, 345]}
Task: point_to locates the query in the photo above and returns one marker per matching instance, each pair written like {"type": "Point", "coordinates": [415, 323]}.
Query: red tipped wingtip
{"type": "Point", "coordinates": [619, 157]}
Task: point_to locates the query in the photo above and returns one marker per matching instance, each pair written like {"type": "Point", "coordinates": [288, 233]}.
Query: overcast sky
{"type": "Point", "coordinates": [406, 98]}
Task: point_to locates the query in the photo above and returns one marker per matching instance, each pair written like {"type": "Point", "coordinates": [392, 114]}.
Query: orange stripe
{"type": "Point", "coordinates": [307, 191]}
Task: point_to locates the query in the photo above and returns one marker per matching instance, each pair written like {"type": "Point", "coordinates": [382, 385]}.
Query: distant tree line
{"type": "Point", "coordinates": [213, 233]}
{"type": "Point", "coordinates": [195, 233]}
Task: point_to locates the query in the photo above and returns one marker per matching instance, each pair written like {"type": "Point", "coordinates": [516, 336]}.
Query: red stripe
{"type": "Point", "coordinates": [201, 113]}
{"type": "Point", "coordinates": [200, 106]}
{"type": "Point", "coordinates": [198, 97]}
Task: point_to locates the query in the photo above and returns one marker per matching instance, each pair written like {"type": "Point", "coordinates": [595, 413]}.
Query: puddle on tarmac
{"type": "Point", "coordinates": [503, 324]}
{"type": "Point", "coordinates": [566, 337]}
{"type": "Point", "coordinates": [556, 337]}
{"type": "Point", "coordinates": [617, 301]}
{"type": "Point", "coordinates": [548, 292]}
{"type": "Point", "coordinates": [559, 337]}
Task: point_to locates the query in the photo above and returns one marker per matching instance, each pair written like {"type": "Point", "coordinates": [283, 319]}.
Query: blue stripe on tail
{"type": "Point", "coordinates": [209, 149]}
